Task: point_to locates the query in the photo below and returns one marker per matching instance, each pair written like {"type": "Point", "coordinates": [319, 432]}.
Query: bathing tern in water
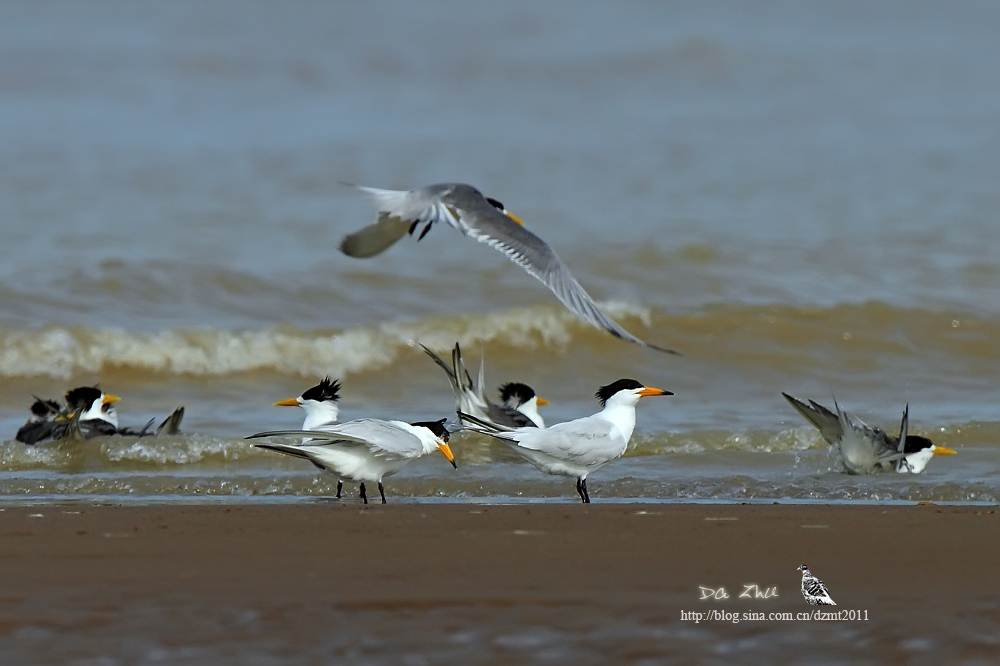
{"type": "Point", "coordinates": [862, 449]}
{"type": "Point", "coordinates": [519, 402]}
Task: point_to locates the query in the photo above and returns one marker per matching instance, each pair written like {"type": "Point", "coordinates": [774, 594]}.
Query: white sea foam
{"type": "Point", "coordinates": [61, 352]}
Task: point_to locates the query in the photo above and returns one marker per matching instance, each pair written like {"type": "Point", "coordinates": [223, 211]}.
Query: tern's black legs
{"type": "Point", "coordinates": [381, 491]}
{"type": "Point", "coordinates": [581, 488]}
{"type": "Point", "coordinates": [363, 495]}
{"type": "Point", "coordinates": [413, 227]}
{"type": "Point", "coordinates": [340, 486]}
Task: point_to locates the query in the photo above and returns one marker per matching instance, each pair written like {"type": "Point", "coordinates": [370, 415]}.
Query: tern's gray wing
{"type": "Point", "coordinates": [172, 424]}
{"type": "Point", "coordinates": [863, 449]}
{"type": "Point", "coordinates": [318, 437]}
{"type": "Point", "coordinates": [534, 255]}
{"type": "Point", "coordinates": [32, 433]}
{"type": "Point", "coordinates": [508, 416]}
{"type": "Point", "coordinates": [467, 398]}
{"type": "Point", "coordinates": [400, 212]}
{"type": "Point", "coordinates": [452, 379]}
{"type": "Point", "coordinates": [586, 441]}
{"type": "Point", "coordinates": [466, 209]}
{"type": "Point", "coordinates": [501, 414]}
{"type": "Point", "coordinates": [825, 421]}
{"type": "Point", "coordinates": [96, 428]}
{"type": "Point", "coordinates": [904, 429]}
{"type": "Point", "coordinates": [375, 238]}
{"type": "Point", "coordinates": [381, 437]}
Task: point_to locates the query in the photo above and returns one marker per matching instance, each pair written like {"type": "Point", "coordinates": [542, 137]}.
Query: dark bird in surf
{"type": "Point", "coordinates": [88, 413]}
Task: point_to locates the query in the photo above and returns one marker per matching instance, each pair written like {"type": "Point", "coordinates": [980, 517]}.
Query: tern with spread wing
{"type": "Point", "coordinates": [862, 449]}
{"type": "Point", "coordinates": [365, 449]}
{"type": "Point", "coordinates": [484, 219]}
{"type": "Point", "coordinates": [519, 402]}
{"type": "Point", "coordinates": [577, 448]}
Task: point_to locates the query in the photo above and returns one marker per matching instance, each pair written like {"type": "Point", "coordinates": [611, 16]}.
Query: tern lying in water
{"type": "Point", "coordinates": [520, 404]}
{"type": "Point", "coordinates": [862, 449]}
{"type": "Point", "coordinates": [486, 220]}
{"type": "Point", "coordinates": [364, 449]}
{"type": "Point", "coordinates": [89, 412]}
{"type": "Point", "coordinates": [577, 448]}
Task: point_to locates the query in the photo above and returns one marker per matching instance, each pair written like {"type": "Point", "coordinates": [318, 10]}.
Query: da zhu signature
{"type": "Point", "coordinates": [750, 591]}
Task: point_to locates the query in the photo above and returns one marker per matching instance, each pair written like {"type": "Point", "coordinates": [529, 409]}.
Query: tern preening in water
{"type": "Point", "coordinates": [89, 412]}
{"type": "Point", "coordinates": [485, 219]}
{"type": "Point", "coordinates": [862, 449]}
{"type": "Point", "coordinates": [519, 402]}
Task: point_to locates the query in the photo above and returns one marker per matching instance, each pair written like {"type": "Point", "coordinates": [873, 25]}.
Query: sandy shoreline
{"type": "Point", "coordinates": [303, 582]}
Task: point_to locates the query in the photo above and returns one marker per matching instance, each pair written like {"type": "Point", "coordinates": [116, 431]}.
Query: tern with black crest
{"type": "Point", "coordinates": [321, 406]}
{"type": "Point", "coordinates": [519, 402]}
{"type": "Point", "coordinates": [365, 450]}
{"type": "Point", "coordinates": [862, 449]}
{"type": "Point", "coordinates": [580, 447]}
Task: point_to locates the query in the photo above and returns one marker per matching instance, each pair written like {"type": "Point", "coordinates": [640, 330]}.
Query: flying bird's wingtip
{"type": "Point", "coordinates": [662, 350]}
{"type": "Point", "coordinates": [672, 352]}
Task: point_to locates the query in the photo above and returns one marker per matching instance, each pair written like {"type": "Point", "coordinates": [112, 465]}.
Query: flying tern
{"type": "Point", "coordinates": [402, 212]}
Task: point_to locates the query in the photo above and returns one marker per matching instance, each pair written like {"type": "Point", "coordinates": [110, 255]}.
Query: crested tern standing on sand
{"type": "Point", "coordinates": [486, 220]}
{"type": "Point", "coordinates": [520, 403]}
{"type": "Point", "coordinates": [862, 449]}
{"type": "Point", "coordinates": [577, 448]}
{"type": "Point", "coordinates": [365, 449]}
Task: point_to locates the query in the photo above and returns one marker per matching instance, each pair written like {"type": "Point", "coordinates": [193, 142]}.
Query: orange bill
{"type": "Point", "coordinates": [446, 450]}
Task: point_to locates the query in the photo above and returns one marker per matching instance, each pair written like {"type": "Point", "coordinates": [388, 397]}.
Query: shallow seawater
{"type": "Point", "coordinates": [788, 466]}
{"type": "Point", "coordinates": [797, 198]}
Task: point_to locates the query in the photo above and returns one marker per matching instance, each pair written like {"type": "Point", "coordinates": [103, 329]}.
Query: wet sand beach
{"type": "Point", "coordinates": [324, 582]}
